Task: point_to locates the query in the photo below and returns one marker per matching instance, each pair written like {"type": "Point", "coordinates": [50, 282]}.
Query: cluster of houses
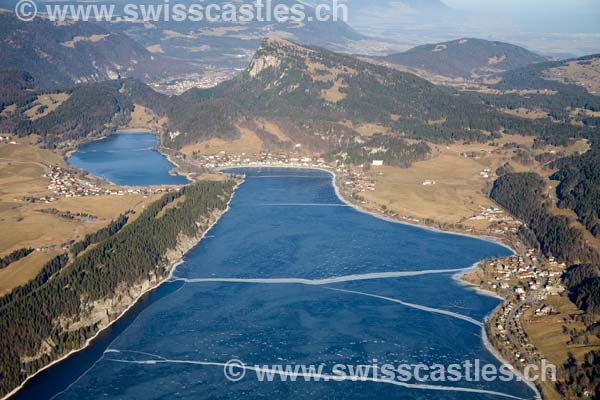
{"type": "Point", "coordinates": [65, 184]}
{"type": "Point", "coordinates": [513, 338]}
{"type": "Point", "coordinates": [180, 85]}
{"type": "Point", "coordinates": [519, 276]}
{"type": "Point", "coordinates": [526, 281]}
{"type": "Point", "coordinates": [353, 181]}
{"type": "Point", "coordinates": [492, 214]}
{"type": "Point", "coordinates": [224, 160]}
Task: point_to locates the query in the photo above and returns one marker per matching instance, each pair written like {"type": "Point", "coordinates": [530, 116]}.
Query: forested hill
{"type": "Point", "coordinates": [91, 110]}
{"type": "Point", "coordinates": [13, 85]}
{"type": "Point", "coordinates": [553, 75]}
{"type": "Point", "coordinates": [525, 196]}
{"type": "Point", "coordinates": [315, 89]}
{"type": "Point", "coordinates": [466, 58]}
{"type": "Point", "coordinates": [70, 301]}
{"type": "Point", "coordinates": [566, 92]}
{"type": "Point", "coordinates": [579, 188]}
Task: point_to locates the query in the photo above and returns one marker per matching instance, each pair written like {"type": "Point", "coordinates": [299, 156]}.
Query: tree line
{"type": "Point", "coordinates": [524, 195]}
{"type": "Point", "coordinates": [31, 315]}
{"type": "Point", "coordinates": [579, 188]}
{"type": "Point", "coordinates": [14, 256]}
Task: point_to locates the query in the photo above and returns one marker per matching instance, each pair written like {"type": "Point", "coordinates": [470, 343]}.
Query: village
{"type": "Point", "coordinates": [525, 282]}
{"type": "Point", "coordinates": [351, 179]}
{"type": "Point", "coordinates": [63, 183]}
{"type": "Point", "coordinates": [208, 79]}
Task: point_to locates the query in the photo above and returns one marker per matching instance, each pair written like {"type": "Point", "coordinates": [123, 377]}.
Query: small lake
{"type": "Point", "coordinates": [291, 275]}
{"type": "Point", "coordinates": [126, 159]}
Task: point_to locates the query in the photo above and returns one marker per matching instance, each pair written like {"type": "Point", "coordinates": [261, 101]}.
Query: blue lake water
{"type": "Point", "coordinates": [126, 159]}
{"type": "Point", "coordinates": [291, 275]}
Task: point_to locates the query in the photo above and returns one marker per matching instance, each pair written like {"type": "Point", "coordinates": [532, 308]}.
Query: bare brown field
{"type": "Point", "coordinates": [50, 101]}
{"type": "Point", "coordinates": [457, 193]}
{"type": "Point", "coordinates": [142, 117]}
{"type": "Point", "coordinates": [582, 73]}
{"type": "Point", "coordinates": [22, 271]}
{"type": "Point", "coordinates": [194, 49]}
{"type": "Point", "coordinates": [588, 113]}
{"type": "Point", "coordinates": [23, 223]}
{"type": "Point", "coordinates": [25, 226]}
{"type": "Point", "coordinates": [274, 129]}
{"type": "Point", "coordinates": [367, 129]}
{"type": "Point", "coordinates": [449, 188]}
{"type": "Point", "coordinates": [212, 177]}
{"type": "Point", "coordinates": [77, 39]}
{"type": "Point", "coordinates": [155, 48]}
{"type": "Point", "coordinates": [6, 111]}
{"type": "Point", "coordinates": [323, 73]}
{"type": "Point", "coordinates": [525, 113]}
{"type": "Point", "coordinates": [247, 143]}
{"type": "Point", "coordinates": [27, 150]}
{"type": "Point", "coordinates": [168, 34]}
{"type": "Point", "coordinates": [546, 333]}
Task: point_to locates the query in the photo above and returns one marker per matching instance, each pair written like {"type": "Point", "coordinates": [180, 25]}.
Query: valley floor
{"type": "Point", "coordinates": [449, 191]}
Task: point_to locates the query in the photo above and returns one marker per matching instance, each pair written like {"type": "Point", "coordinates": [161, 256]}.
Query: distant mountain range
{"type": "Point", "coordinates": [56, 53]}
{"type": "Point", "coordinates": [292, 94]}
{"type": "Point", "coordinates": [466, 58]}
{"type": "Point", "coordinates": [205, 44]}
{"type": "Point", "coordinates": [381, 16]}
{"type": "Point", "coordinates": [232, 44]}
{"type": "Point", "coordinates": [415, 22]}
{"type": "Point", "coordinates": [320, 99]}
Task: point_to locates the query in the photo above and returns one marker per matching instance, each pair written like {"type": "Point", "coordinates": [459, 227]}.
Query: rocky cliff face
{"type": "Point", "coordinates": [101, 313]}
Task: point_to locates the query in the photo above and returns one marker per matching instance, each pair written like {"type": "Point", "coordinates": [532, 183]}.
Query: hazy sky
{"type": "Point", "coordinates": [540, 15]}
{"type": "Point", "coordinates": [515, 5]}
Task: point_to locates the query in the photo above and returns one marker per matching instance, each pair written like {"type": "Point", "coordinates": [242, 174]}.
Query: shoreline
{"type": "Point", "coordinates": [66, 154]}
{"type": "Point", "coordinates": [176, 170]}
{"type": "Point", "coordinates": [458, 277]}
{"type": "Point", "coordinates": [159, 283]}
{"type": "Point", "coordinates": [489, 239]}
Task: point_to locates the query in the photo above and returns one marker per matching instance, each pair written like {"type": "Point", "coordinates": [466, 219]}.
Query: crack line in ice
{"type": "Point", "coordinates": [287, 176]}
{"type": "Point", "coordinates": [303, 205]}
{"type": "Point", "coordinates": [416, 306]}
{"type": "Point", "coordinates": [324, 281]}
{"type": "Point", "coordinates": [316, 376]}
